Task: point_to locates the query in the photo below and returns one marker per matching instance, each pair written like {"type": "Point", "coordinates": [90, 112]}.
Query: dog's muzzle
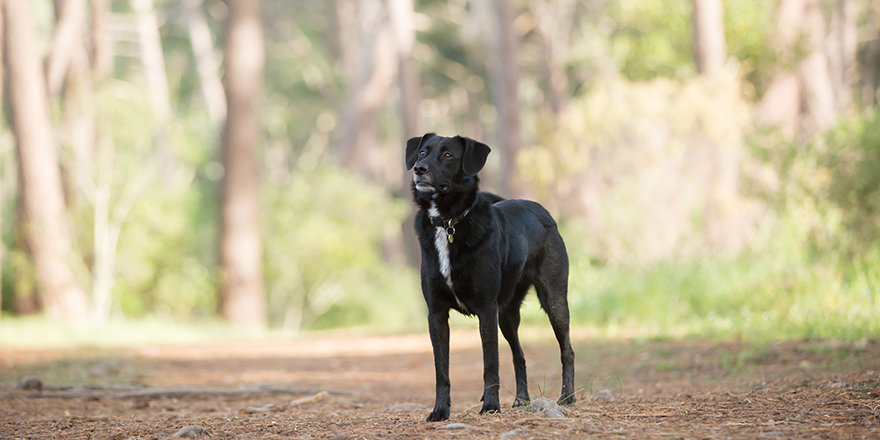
{"type": "Point", "coordinates": [424, 183]}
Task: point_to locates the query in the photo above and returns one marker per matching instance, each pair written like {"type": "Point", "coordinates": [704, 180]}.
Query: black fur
{"type": "Point", "coordinates": [500, 249]}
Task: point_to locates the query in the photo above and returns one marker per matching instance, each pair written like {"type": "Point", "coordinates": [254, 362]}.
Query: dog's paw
{"type": "Point", "coordinates": [438, 415]}
{"type": "Point", "coordinates": [490, 407]}
{"type": "Point", "coordinates": [566, 400]}
{"type": "Point", "coordinates": [521, 401]}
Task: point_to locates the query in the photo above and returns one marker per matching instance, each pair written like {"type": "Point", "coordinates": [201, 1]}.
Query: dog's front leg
{"type": "Point", "coordinates": [438, 327]}
{"type": "Point", "coordinates": [489, 336]}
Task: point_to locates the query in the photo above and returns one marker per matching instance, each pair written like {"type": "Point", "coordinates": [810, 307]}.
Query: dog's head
{"type": "Point", "coordinates": [440, 163]}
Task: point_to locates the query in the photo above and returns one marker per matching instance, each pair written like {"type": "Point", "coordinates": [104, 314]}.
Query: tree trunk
{"type": "Point", "coordinates": [815, 74]}
{"type": "Point", "coordinates": [781, 104]}
{"type": "Point", "coordinates": [66, 38]}
{"type": "Point", "coordinates": [79, 116]}
{"type": "Point", "coordinates": [401, 13]}
{"type": "Point", "coordinates": [504, 68]}
{"type": "Point", "coordinates": [554, 23]}
{"type": "Point", "coordinates": [47, 231]}
{"type": "Point", "coordinates": [842, 47]}
{"type": "Point", "coordinates": [152, 59]}
{"type": "Point", "coordinates": [871, 57]}
{"type": "Point", "coordinates": [102, 51]}
{"type": "Point", "coordinates": [375, 67]}
{"type": "Point", "coordinates": [242, 298]}
{"type": "Point", "coordinates": [2, 245]}
{"type": "Point", "coordinates": [206, 64]}
{"type": "Point", "coordinates": [710, 47]}
{"type": "Point", "coordinates": [153, 64]}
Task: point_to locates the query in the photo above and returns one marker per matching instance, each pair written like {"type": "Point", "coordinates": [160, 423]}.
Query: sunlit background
{"type": "Point", "coordinates": [714, 165]}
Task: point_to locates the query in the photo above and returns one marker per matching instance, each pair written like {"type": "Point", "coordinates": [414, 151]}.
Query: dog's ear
{"type": "Point", "coordinates": [412, 148]}
{"type": "Point", "coordinates": [474, 157]}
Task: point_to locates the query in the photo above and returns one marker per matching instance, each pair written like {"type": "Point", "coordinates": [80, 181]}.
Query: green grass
{"type": "Point", "coordinates": [752, 297]}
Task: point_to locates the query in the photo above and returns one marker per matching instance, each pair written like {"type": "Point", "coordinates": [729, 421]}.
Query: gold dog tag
{"type": "Point", "coordinates": [450, 231]}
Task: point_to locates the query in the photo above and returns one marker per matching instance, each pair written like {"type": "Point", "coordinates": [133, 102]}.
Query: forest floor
{"type": "Point", "coordinates": [346, 387]}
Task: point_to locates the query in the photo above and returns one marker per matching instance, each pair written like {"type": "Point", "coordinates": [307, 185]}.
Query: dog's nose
{"type": "Point", "coordinates": [421, 169]}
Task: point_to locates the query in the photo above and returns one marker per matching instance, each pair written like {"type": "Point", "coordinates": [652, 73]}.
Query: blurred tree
{"type": "Point", "coordinates": [505, 68]}
{"type": "Point", "coordinates": [781, 103]}
{"type": "Point", "coordinates": [710, 56]}
{"type": "Point", "coordinates": [152, 58]}
{"type": "Point", "coordinates": [242, 296]}
{"type": "Point", "coordinates": [402, 17]}
{"type": "Point", "coordinates": [871, 56]}
{"type": "Point", "coordinates": [2, 201]}
{"type": "Point", "coordinates": [47, 231]}
{"type": "Point", "coordinates": [374, 65]}
{"type": "Point", "coordinates": [554, 22]}
{"type": "Point", "coordinates": [101, 50]}
{"type": "Point", "coordinates": [814, 71]}
{"type": "Point", "coordinates": [66, 36]}
{"type": "Point", "coordinates": [69, 74]}
{"type": "Point", "coordinates": [155, 75]}
{"type": "Point", "coordinates": [710, 48]}
{"type": "Point", "coordinates": [842, 47]}
{"type": "Point", "coordinates": [802, 78]}
{"type": "Point", "coordinates": [206, 64]}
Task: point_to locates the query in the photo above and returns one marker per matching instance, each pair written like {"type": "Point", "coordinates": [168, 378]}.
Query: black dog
{"type": "Point", "coordinates": [480, 255]}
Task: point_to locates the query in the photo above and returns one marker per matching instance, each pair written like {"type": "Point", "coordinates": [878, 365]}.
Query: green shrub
{"type": "Point", "coordinates": [324, 237]}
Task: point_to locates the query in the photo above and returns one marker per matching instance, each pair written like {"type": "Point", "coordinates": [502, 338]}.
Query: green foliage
{"type": "Point", "coordinates": [652, 38]}
{"type": "Point", "coordinates": [848, 162]}
{"type": "Point", "coordinates": [662, 149]}
{"type": "Point", "coordinates": [749, 25]}
{"type": "Point", "coordinates": [813, 269]}
{"type": "Point", "coordinates": [324, 234]}
{"type": "Point", "coordinates": [166, 256]}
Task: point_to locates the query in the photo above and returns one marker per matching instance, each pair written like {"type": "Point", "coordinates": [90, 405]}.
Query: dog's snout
{"type": "Point", "coordinates": [420, 168]}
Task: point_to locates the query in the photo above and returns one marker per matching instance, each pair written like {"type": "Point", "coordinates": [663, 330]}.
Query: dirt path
{"type": "Point", "coordinates": [382, 387]}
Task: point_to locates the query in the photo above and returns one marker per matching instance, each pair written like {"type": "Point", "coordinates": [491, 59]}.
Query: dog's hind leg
{"type": "Point", "coordinates": [552, 290]}
{"type": "Point", "coordinates": [508, 320]}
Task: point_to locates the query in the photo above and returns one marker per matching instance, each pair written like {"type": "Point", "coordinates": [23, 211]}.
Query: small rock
{"type": "Point", "coordinates": [405, 407]}
{"type": "Point", "coordinates": [861, 344]}
{"type": "Point", "coordinates": [604, 396]}
{"type": "Point", "coordinates": [309, 399]}
{"type": "Point", "coordinates": [190, 431]}
{"type": "Point", "coordinates": [510, 434]}
{"type": "Point", "coordinates": [259, 409]}
{"type": "Point", "coordinates": [456, 426]}
{"type": "Point", "coordinates": [140, 404]}
{"type": "Point", "coordinates": [106, 368]}
{"type": "Point", "coordinates": [550, 408]}
{"type": "Point", "coordinates": [29, 383]}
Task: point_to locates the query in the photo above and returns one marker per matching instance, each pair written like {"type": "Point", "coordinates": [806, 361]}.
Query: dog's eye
{"type": "Point", "coordinates": [448, 155]}
{"type": "Point", "coordinates": [422, 153]}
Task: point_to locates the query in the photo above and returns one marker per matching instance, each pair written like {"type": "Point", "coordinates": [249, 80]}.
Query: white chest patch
{"type": "Point", "coordinates": [441, 242]}
{"type": "Point", "coordinates": [442, 245]}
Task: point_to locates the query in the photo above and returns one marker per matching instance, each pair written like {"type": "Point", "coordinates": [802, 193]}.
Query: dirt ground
{"type": "Point", "coordinates": [382, 387]}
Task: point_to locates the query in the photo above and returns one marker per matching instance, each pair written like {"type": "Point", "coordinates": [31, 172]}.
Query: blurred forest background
{"type": "Point", "coordinates": [714, 165]}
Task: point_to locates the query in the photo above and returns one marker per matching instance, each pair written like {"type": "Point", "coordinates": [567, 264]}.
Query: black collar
{"type": "Point", "coordinates": [448, 222]}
